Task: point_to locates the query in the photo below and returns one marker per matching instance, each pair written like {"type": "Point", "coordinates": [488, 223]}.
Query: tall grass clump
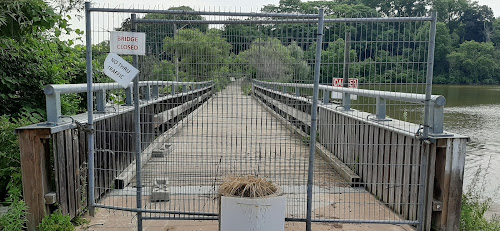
{"type": "Point", "coordinates": [475, 204]}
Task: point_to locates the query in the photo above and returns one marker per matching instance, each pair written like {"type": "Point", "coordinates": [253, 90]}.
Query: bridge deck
{"type": "Point", "coordinates": [232, 135]}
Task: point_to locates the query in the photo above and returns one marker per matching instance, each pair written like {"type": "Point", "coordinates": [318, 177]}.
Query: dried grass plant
{"type": "Point", "coordinates": [247, 186]}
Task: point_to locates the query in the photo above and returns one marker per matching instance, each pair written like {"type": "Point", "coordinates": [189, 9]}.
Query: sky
{"type": "Point", "coordinates": [211, 5]}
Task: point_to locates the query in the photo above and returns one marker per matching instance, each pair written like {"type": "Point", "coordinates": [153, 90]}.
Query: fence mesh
{"type": "Point", "coordinates": [193, 136]}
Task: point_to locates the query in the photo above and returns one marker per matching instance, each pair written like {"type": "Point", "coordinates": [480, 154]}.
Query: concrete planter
{"type": "Point", "coordinates": [252, 214]}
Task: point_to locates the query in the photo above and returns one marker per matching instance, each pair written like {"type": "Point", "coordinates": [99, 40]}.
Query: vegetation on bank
{"type": "Point", "coordinates": [32, 55]}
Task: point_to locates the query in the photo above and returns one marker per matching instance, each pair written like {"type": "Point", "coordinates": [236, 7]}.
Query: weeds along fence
{"type": "Point", "coordinates": [224, 94]}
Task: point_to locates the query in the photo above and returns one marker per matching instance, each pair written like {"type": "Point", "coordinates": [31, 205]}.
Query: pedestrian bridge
{"type": "Point", "coordinates": [367, 167]}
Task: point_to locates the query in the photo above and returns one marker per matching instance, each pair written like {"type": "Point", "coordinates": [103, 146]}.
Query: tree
{"type": "Point", "coordinates": [200, 54]}
{"type": "Point", "coordinates": [474, 62]}
{"type": "Point", "coordinates": [268, 59]}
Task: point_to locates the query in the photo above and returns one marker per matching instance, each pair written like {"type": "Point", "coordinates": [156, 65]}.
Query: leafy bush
{"type": "Point", "coordinates": [15, 219]}
{"type": "Point", "coordinates": [56, 222]}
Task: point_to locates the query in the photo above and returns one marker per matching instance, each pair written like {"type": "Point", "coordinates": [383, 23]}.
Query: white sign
{"type": "Point", "coordinates": [339, 82]}
{"type": "Point", "coordinates": [119, 70]}
{"type": "Point", "coordinates": [127, 43]}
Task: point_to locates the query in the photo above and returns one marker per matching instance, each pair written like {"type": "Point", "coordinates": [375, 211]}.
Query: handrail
{"type": "Point", "coordinates": [437, 102]}
{"type": "Point", "coordinates": [53, 93]}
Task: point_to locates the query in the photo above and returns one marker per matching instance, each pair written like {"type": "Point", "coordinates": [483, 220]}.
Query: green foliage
{"type": "Point", "coordinates": [474, 62]}
{"type": "Point", "coordinates": [200, 54]}
{"type": "Point", "coordinates": [475, 205]}
{"type": "Point", "coordinates": [268, 59]}
{"type": "Point", "coordinates": [27, 66]}
{"type": "Point", "coordinates": [18, 18]}
{"type": "Point", "coordinates": [10, 163]}
{"type": "Point", "coordinates": [15, 219]}
{"type": "Point", "coordinates": [57, 222]}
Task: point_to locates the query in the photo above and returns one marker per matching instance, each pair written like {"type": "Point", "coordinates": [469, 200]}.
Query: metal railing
{"type": "Point", "coordinates": [437, 102]}
{"type": "Point", "coordinates": [151, 90]}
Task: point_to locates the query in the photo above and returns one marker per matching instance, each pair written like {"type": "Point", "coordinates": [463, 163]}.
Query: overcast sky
{"type": "Point", "coordinates": [211, 5]}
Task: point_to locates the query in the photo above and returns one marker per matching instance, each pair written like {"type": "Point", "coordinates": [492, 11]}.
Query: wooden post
{"type": "Point", "coordinates": [35, 169]}
{"type": "Point", "coordinates": [449, 173]}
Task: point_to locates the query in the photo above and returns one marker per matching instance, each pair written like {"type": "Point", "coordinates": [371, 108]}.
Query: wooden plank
{"type": "Point", "coordinates": [371, 157]}
{"type": "Point", "coordinates": [76, 170]}
{"type": "Point", "coordinates": [63, 178]}
{"type": "Point", "coordinates": [365, 153]}
{"type": "Point", "coordinates": [380, 163]}
{"type": "Point", "coordinates": [399, 172]}
{"type": "Point", "coordinates": [387, 166]}
{"type": "Point", "coordinates": [406, 177]}
{"type": "Point", "coordinates": [70, 173]}
{"type": "Point", "coordinates": [34, 150]}
{"type": "Point", "coordinates": [430, 186]}
{"type": "Point", "coordinates": [415, 179]}
{"type": "Point", "coordinates": [392, 172]}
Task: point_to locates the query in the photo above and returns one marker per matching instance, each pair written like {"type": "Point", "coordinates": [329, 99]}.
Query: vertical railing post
{"type": "Point", "coordinates": [147, 92]}
{"type": "Point", "coordinates": [173, 89]}
{"type": "Point", "coordinates": [437, 118]}
{"type": "Point", "coordinates": [346, 97]}
{"type": "Point", "coordinates": [314, 115]}
{"type": "Point", "coordinates": [430, 73]}
{"type": "Point", "coordinates": [326, 96]}
{"type": "Point", "coordinates": [128, 96]}
{"type": "Point", "coordinates": [90, 109]}
{"type": "Point", "coordinates": [297, 93]}
{"type": "Point", "coordinates": [156, 91]}
{"type": "Point", "coordinates": [184, 88]}
{"type": "Point", "coordinates": [137, 128]}
{"type": "Point", "coordinates": [53, 106]}
{"type": "Point", "coordinates": [101, 101]}
{"type": "Point", "coordinates": [381, 108]}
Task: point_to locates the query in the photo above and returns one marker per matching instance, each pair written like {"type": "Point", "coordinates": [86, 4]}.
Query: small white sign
{"type": "Point", "coordinates": [339, 82]}
{"type": "Point", "coordinates": [119, 70]}
{"type": "Point", "coordinates": [128, 43]}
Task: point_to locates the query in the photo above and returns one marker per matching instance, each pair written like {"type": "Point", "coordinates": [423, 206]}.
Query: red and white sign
{"type": "Point", "coordinates": [127, 43]}
{"type": "Point", "coordinates": [339, 82]}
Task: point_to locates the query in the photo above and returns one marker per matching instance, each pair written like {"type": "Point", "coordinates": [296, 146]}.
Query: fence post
{"type": "Point", "coordinates": [297, 93]}
{"type": "Point", "coordinates": [137, 133]}
{"type": "Point", "coordinates": [346, 97]}
{"type": "Point", "coordinates": [430, 73]}
{"type": "Point", "coordinates": [35, 168]}
{"type": "Point", "coordinates": [314, 115]}
{"type": "Point", "coordinates": [90, 108]}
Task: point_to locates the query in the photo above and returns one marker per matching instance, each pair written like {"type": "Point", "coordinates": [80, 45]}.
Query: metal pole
{"type": "Point", "coordinates": [90, 109]}
{"type": "Point", "coordinates": [314, 115]}
{"type": "Point", "coordinates": [430, 73]}
{"type": "Point", "coordinates": [346, 97]}
{"type": "Point", "coordinates": [176, 56]}
{"type": "Point", "coordinates": [137, 128]}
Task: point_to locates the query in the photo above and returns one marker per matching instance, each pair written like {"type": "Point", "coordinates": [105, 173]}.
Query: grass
{"type": "Point", "coordinates": [475, 204]}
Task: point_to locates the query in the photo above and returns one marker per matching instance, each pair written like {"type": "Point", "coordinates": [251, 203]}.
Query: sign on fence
{"type": "Point", "coordinates": [119, 69]}
{"type": "Point", "coordinates": [339, 82]}
{"type": "Point", "coordinates": [128, 43]}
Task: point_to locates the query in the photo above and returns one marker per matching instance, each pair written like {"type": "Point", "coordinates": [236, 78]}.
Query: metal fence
{"type": "Point", "coordinates": [261, 75]}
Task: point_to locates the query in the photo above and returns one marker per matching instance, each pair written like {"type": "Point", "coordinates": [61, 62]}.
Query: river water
{"type": "Point", "coordinates": [474, 111]}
